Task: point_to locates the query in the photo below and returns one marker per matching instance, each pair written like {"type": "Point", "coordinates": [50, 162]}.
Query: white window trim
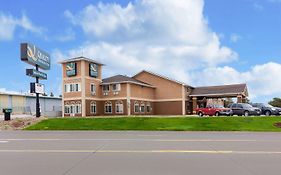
{"type": "Point", "coordinates": [136, 104]}
{"type": "Point", "coordinates": [72, 87]}
{"type": "Point", "coordinates": [106, 90]}
{"type": "Point", "coordinates": [118, 85]}
{"type": "Point", "coordinates": [95, 88]}
{"type": "Point", "coordinates": [142, 105]}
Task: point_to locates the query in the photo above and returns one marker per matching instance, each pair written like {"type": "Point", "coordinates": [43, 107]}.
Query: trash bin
{"type": "Point", "coordinates": [7, 113]}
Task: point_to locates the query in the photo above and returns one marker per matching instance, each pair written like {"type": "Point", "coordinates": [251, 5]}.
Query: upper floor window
{"type": "Point", "coordinates": [105, 88]}
{"type": "Point", "coordinates": [116, 87]}
{"type": "Point", "coordinates": [108, 107]}
{"type": "Point", "coordinates": [93, 89]}
{"type": "Point", "coordinates": [72, 87]}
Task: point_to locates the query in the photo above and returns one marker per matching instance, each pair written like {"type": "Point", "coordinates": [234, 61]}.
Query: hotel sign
{"type": "Point", "coordinates": [35, 56]}
{"type": "Point", "coordinates": [71, 69]}
{"type": "Point", "coordinates": [35, 73]}
{"type": "Point", "coordinates": [93, 70]}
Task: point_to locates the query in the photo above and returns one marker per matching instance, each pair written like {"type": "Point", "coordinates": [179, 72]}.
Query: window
{"type": "Point", "coordinates": [73, 108]}
{"type": "Point", "coordinates": [119, 107]}
{"type": "Point", "coordinates": [93, 107]}
{"type": "Point", "coordinates": [78, 108]}
{"type": "Point", "coordinates": [148, 108]}
{"type": "Point", "coordinates": [136, 107]}
{"type": "Point", "coordinates": [93, 89]}
{"type": "Point", "coordinates": [105, 88]}
{"type": "Point", "coordinates": [66, 109]}
{"type": "Point", "coordinates": [142, 108]}
{"type": "Point", "coordinates": [116, 87]}
{"type": "Point", "coordinates": [72, 87]}
{"type": "Point", "coordinates": [108, 107]}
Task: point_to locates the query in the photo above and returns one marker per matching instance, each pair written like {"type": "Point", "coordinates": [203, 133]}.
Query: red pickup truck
{"type": "Point", "coordinates": [216, 110]}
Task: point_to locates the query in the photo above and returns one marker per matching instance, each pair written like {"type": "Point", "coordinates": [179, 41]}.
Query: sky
{"type": "Point", "coordinates": [199, 42]}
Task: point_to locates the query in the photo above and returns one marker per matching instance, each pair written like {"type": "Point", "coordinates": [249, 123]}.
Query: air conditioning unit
{"type": "Point", "coordinates": [116, 93]}
{"type": "Point", "coordinates": [105, 93]}
{"type": "Point", "coordinates": [93, 93]}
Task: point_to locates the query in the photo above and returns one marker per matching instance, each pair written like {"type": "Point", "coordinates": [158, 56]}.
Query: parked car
{"type": "Point", "coordinates": [267, 109]}
{"type": "Point", "coordinates": [216, 110]}
{"type": "Point", "coordinates": [244, 109]}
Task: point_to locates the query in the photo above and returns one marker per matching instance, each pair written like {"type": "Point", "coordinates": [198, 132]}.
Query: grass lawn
{"type": "Point", "coordinates": [161, 124]}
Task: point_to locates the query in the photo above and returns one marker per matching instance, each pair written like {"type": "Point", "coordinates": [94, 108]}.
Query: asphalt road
{"type": "Point", "coordinates": [139, 153]}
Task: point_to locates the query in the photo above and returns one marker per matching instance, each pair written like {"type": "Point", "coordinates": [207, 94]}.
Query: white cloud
{"type": "Point", "coordinates": [170, 37]}
{"type": "Point", "coordinates": [261, 79]}
{"type": "Point", "coordinates": [157, 31]}
{"type": "Point", "coordinates": [235, 37]}
{"type": "Point", "coordinates": [9, 24]}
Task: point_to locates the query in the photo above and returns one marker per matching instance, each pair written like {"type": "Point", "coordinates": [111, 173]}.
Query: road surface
{"type": "Point", "coordinates": [139, 153]}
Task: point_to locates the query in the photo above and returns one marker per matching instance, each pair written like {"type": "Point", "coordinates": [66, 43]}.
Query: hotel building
{"type": "Point", "coordinates": [86, 93]}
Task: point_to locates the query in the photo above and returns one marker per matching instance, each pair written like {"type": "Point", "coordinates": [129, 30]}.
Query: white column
{"type": "Point", "coordinates": [83, 89]}
{"type": "Point", "coordinates": [128, 99]}
{"type": "Point", "coordinates": [183, 99]}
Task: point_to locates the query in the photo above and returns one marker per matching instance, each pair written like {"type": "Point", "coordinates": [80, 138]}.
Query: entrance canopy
{"type": "Point", "coordinates": [224, 91]}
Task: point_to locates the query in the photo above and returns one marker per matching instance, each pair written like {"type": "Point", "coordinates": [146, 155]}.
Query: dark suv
{"type": "Point", "coordinates": [267, 109]}
{"type": "Point", "coordinates": [244, 109]}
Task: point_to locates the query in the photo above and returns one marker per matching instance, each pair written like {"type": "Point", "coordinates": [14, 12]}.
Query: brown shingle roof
{"type": "Point", "coordinates": [233, 89]}
{"type": "Point", "coordinates": [123, 79]}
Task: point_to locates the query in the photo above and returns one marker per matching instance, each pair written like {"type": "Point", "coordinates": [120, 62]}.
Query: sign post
{"type": "Point", "coordinates": [40, 59]}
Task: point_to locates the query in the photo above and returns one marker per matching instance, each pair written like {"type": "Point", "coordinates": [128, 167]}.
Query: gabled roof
{"type": "Point", "coordinates": [164, 77]}
{"type": "Point", "coordinates": [123, 79]}
{"type": "Point", "coordinates": [79, 59]}
{"type": "Point", "coordinates": [233, 89]}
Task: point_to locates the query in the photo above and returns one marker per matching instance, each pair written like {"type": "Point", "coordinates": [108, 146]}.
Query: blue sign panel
{"type": "Point", "coordinates": [93, 70]}
{"type": "Point", "coordinates": [71, 69]}
{"type": "Point", "coordinates": [35, 56]}
{"type": "Point", "coordinates": [35, 73]}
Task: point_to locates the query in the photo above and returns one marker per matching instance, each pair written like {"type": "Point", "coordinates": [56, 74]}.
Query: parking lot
{"type": "Point", "coordinates": [99, 152]}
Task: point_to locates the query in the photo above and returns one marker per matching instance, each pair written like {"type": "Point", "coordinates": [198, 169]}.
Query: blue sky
{"type": "Point", "coordinates": [198, 42]}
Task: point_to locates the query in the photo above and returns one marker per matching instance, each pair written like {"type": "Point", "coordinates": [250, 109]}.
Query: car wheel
{"type": "Point", "coordinates": [217, 114]}
{"type": "Point", "coordinates": [200, 114]}
{"type": "Point", "coordinates": [246, 113]}
{"type": "Point", "coordinates": [268, 113]}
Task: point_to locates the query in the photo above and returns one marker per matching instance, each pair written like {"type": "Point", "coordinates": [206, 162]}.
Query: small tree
{"type": "Point", "coordinates": [51, 95]}
{"type": "Point", "coordinates": [275, 102]}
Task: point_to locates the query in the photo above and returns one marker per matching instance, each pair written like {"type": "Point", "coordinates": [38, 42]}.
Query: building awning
{"type": "Point", "coordinates": [232, 90]}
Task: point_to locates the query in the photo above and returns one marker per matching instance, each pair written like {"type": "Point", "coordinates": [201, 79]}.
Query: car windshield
{"type": "Point", "coordinates": [219, 106]}
{"type": "Point", "coordinates": [247, 106]}
{"type": "Point", "coordinates": [268, 105]}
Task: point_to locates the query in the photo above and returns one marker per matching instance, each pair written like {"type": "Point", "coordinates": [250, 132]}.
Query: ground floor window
{"type": "Point", "coordinates": [136, 107]}
{"type": "Point", "coordinates": [148, 107]}
{"type": "Point", "coordinates": [73, 108]}
{"type": "Point", "coordinates": [142, 108]}
{"type": "Point", "coordinates": [108, 107]}
{"type": "Point", "coordinates": [119, 107]}
{"type": "Point", "coordinates": [93, 107]}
